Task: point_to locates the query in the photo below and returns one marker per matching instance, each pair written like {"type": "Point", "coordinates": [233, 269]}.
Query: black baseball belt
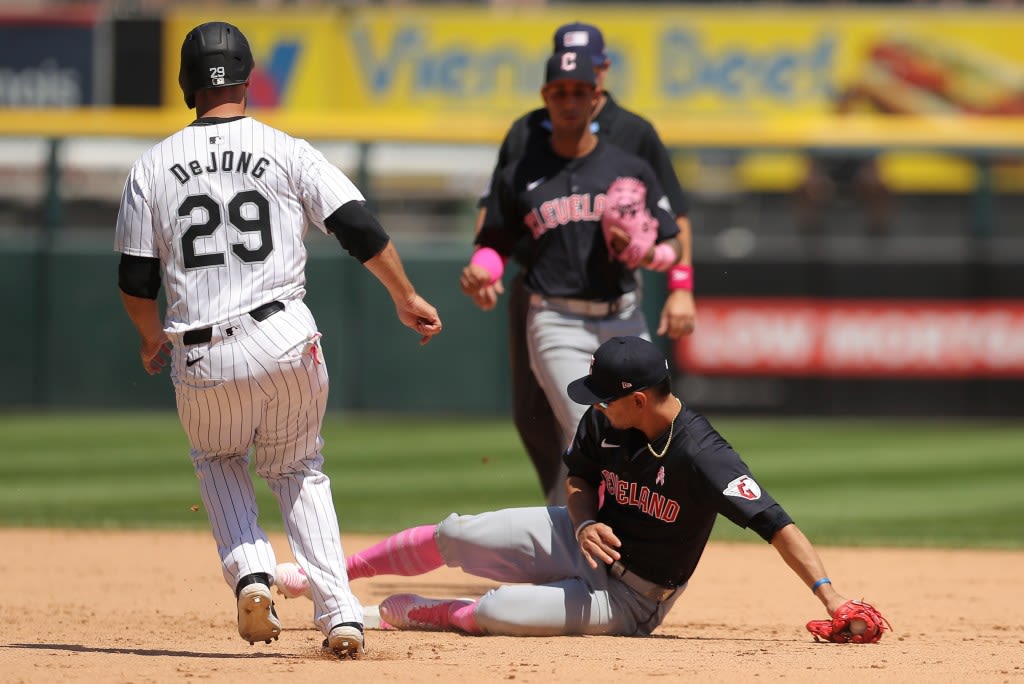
{"type": "Point", "coordinates": [652, 590]}
{"type": "Point", "coordinates": [260, 313]}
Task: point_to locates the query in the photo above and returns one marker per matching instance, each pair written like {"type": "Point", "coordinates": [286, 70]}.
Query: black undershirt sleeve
{"type": "Point", "coordinates": [358, 231]}
{"type": "Point", "coordinates": [139, 276]}
{"type": "Point", "coordinates": [769, 521]}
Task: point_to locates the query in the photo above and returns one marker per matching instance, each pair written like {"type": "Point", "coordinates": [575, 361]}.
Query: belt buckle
{"type": "Point", "coordinates": [647, 588]}
{"type": "Point", "coordinates": [663, 593]}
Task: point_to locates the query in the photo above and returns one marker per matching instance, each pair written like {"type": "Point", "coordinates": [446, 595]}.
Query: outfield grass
{"type": "Point", "coordinates": [860, 482]}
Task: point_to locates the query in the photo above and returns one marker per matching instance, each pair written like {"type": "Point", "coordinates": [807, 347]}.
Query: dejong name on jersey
{"type": "Point", "coordinates": [227, 161]}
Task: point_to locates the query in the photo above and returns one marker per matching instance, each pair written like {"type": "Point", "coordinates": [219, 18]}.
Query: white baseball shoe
{"type": "Point", "coordinates": [346, 641]}
{"type": "Point", "coordinates": [291, 581]}
{"type": "Point", "coordinates": [410, 611]}
{"type": "Point", "coordinates": [257, 619]}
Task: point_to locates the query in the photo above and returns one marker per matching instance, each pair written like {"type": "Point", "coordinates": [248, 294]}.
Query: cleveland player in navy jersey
{"type": "Point", "coordinates": [532, 413]}
{"type": "Point", "coordinates": [616, 568]}
{"type": "Point", "coordinates": [553, 196]}
{"type": "Point", "coordinates": [216, 215]}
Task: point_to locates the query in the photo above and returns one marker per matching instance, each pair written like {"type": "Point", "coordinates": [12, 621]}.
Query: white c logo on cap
{"type": "Point", "coordinates": [568, 61]}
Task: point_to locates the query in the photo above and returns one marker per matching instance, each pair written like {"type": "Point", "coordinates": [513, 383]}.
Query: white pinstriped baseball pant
{"type": "Point", "coordinates": [261, 388]}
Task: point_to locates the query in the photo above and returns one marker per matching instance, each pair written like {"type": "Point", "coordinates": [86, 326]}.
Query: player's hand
{"type": "Point", "coordinates": [618, 240]}
{"type": "Point", "coordinates": [476, 283]}
{"type": "Point", "coordinates": [678, 315]}
{"type": "Point", "coordinates": [155, 353]}
{"type": "Point", "coordinates": [599, 543]}
{"type": "Point", "coordinates": [418, 315]}
{"type": "Point", "coordinates": [487, 297]}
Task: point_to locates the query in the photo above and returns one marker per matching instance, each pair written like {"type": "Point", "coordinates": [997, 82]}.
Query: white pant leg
{"type": "Point", "coordinates": [218, 407]}
{"type": "Point", "coordinates": [288, 456]}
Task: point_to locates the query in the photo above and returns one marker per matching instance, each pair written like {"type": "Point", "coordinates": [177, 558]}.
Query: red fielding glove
{"type": "Point", "coordinates": [840, 630]}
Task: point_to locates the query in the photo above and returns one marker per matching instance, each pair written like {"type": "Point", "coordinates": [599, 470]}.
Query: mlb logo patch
{"type": "Point", "coordinates": [576, 39]}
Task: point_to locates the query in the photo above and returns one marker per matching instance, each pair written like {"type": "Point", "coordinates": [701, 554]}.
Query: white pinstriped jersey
{"type": "Point", "coordinates": [224, 204]}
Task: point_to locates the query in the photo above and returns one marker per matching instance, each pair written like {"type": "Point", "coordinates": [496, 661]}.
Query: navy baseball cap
{"type": "Point", "coordinates": [582, 37]}
{"type": "Point", "coordinates": [569, 66]}
{"type": "Point", "coordinates": [620, 366]}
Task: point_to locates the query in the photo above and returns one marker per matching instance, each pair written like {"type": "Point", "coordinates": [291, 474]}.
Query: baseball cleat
{"type": "Point", "coordinates": [291, 581]}
{"type": "Point", "coordinates": [410, 611]}
{"type": "Point", "coordinates": [346, 641]}
{"type": "Point", "coordinates": [257, 619]}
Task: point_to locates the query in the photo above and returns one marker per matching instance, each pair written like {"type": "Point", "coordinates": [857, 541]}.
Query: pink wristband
{"type": "Point", "coordinates": [490, 261]}
{"type": "Point", "coordinates": [681, 278]}
{"type": "Point", "coordinates": [663, 258]}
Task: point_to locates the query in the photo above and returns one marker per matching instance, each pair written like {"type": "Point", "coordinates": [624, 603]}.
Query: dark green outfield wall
{"type": "Point", "coordinates": [68, 343]}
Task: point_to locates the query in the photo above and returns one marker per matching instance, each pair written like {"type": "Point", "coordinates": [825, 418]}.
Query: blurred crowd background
{"type": "Point", "coordinates": [856, 173]}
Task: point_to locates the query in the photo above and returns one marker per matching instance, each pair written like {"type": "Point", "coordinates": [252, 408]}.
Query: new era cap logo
{"type": "Point", "coordinates": [743, 487]}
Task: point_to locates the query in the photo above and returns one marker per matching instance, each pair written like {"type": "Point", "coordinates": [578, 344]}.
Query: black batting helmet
{"type": "Point", "coordinates": [214, 55]}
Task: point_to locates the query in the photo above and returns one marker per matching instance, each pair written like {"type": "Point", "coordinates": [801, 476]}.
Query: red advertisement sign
{"type": "Point", "coordinates": [856, 338]}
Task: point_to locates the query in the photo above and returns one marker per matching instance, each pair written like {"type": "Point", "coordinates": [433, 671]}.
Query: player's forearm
{"type": "Point", "coordinates": [685, 239]}
{"type": "Point", "coordinates": [796, 550]}
{"type": "Point", "coordinates": [145, 316]}
{"type": "Point", "coordinates": [581, 500]}
{"type": "Point", "coordinates": [387, 268]}
{"type": "Point", "coordinates": [480, 216]}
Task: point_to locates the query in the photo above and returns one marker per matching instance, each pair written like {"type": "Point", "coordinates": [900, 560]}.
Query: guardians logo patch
{"type": "Point", "coordinates": [743, 487]}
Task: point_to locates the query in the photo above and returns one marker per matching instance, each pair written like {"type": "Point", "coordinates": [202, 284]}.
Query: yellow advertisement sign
{"type": "Point", "coordinates": [666, 62]}
{"type": "Point", "coordinates": [295, 53]}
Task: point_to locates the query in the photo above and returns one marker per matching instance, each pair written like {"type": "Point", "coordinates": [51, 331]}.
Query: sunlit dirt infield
{"type": "Point", "coordinates": [97, 606]}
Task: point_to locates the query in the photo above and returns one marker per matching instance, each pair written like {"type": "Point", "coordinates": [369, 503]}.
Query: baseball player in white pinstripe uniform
{"type": "Point", "coordinates": [216, 213]}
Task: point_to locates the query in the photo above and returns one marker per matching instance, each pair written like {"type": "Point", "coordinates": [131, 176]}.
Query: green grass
{"type": "Point", "coordinates": [891, 482]}
{"type": "Point", "coordinates": [858, 482]}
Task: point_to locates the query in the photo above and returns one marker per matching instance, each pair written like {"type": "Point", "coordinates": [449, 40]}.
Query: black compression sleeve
{"type": "Point", "coordinates": [769, 521]}
{"type": "Point", "coordinates": [139, 276]}
{"type": "Point", "coordinates": [357, 230]}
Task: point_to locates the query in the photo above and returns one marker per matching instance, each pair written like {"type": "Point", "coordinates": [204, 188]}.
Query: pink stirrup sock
{"type": "Point", "coordinates": [464, 616]}
{"type": "Point", "coordinates": [410, 552]}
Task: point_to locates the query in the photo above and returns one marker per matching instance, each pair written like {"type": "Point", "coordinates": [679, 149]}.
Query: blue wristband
{"type": "Point", "coordinates": [823, 580]}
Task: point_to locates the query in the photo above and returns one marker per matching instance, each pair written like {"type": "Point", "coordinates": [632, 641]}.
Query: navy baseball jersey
{"type": "Point", "coordinates": [663, 509]}
{"type": "Point", "coordinates": [558, 203]}
{"type": "Point", "coordinates": [613, 123]}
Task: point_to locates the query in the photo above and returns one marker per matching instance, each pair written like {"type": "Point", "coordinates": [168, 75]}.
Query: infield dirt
{"type": "Point", "coordinates": [94, 606]}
